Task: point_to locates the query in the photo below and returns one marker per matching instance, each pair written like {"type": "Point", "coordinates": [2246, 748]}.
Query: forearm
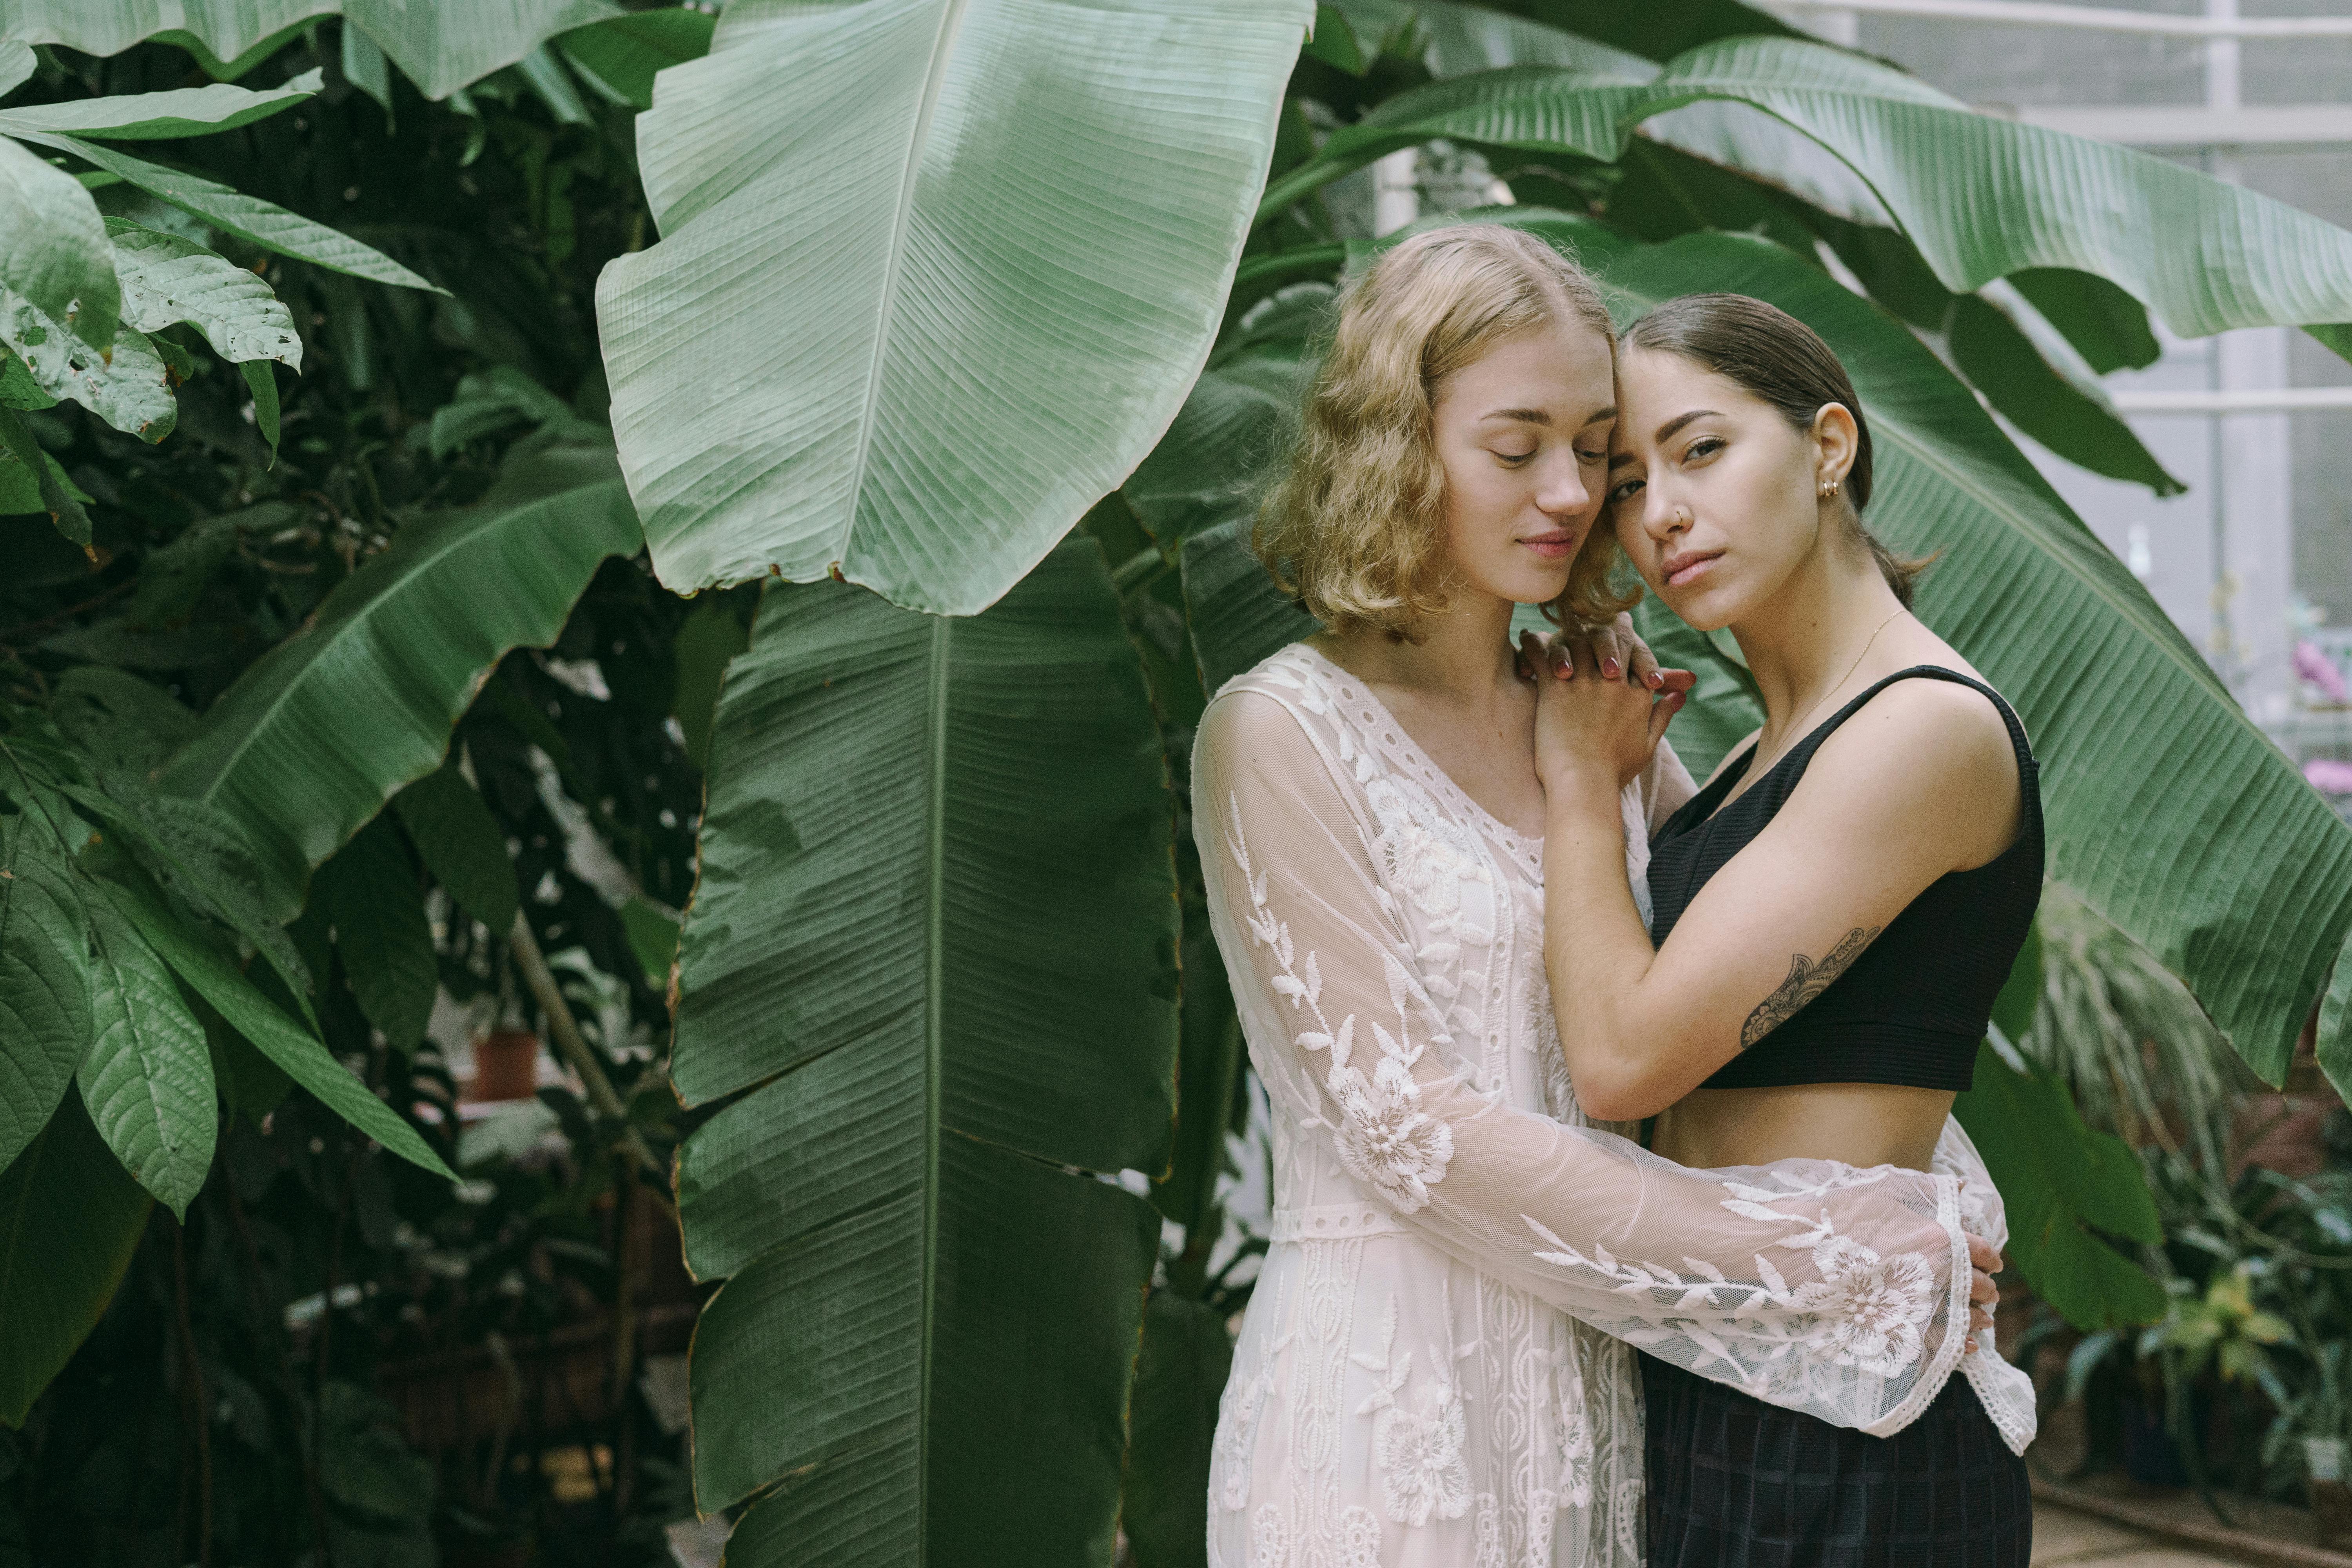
{"type": "Point", "coordinates": [1597, 952]}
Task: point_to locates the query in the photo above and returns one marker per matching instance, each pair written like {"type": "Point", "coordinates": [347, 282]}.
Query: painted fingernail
{"type": "Point", "coordinates": [1655, 679]}
{"type": "Point", "coordinates": [1610, 668]}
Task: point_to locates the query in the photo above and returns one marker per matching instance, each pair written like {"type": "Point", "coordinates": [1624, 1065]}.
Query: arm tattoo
{"type": "Point", "coordinates": [1806, 981]}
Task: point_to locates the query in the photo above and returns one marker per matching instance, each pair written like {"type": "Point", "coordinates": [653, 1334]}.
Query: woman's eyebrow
{"type": "Point", "coordinates": [1523, 416]}
{"type": "Point", "coordinates": [1666, 430]}
{"type": "Point", "coordinates": [1600, 416]}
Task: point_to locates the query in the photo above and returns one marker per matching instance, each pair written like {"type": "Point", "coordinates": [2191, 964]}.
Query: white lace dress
{"type": "Point", "coordinates": [1426, 1377]}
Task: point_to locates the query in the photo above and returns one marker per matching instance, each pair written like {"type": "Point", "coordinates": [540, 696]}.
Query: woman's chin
{"type": "Point", "coordinates": [1702, 610]}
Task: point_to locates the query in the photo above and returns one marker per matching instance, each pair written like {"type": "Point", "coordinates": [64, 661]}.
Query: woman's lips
{"type": "Point", "coordinates": [1686, 568]}
{"type": "Point", "coordinates": [1553, 546]}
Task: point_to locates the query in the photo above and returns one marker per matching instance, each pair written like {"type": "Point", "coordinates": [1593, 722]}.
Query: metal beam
{"type": "Point", "coordinates": [2235, 400]}
{"type": "Point", "coordinates": [2188, 126]}
{"type": "Point", "coordinates": [2095, 18]}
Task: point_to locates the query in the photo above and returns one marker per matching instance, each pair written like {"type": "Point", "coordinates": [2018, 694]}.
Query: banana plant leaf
{"type": "Point", "coordinates": [991, 241]}
{"type": "Point", "coordinates": [935, 938]}
{"type": "Point", "coordinates": [313, 738]}
{"type": "Point", "coordinates": [1945, 175]}
{"type": "Point", "coordinates": [441, 47]}
{"type": "Point", "coordinates": [2174, 816]}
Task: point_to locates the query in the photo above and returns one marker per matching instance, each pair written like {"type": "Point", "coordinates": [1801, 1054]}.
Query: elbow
{"type": "Point", "coordinates": [1621, 1094]}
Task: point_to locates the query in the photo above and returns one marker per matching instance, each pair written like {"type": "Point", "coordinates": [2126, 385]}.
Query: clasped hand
{"type": "Point", "coordinates": [1592, 727]}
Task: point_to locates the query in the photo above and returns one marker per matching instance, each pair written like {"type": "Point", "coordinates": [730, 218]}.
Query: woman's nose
{"type": "Point", "coordinates": [1563, 490]}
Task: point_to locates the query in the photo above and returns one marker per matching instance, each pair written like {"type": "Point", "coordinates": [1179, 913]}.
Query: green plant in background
{"type": "Point", "coordinates": [221, 950]}
{"type": "Point", "coordinates": [1108, 269]}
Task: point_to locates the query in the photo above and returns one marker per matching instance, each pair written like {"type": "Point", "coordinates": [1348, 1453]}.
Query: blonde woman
{"type": "Point", "coordinates": [1426, 1375]}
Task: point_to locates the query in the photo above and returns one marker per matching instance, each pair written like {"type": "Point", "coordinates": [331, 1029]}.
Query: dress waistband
{"type": "Point", "coordinates": [1333, 1222]}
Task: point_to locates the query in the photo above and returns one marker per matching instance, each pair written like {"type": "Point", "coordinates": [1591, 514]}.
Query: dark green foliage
{"type": "Point", "coordinates": [206, 555]}
{"type": "Point", "coordinates": [368, 892]}
{"type": "Point", "coordinates": [70, 1216]}
{"type": "Point", "coordinates": [461, 844]}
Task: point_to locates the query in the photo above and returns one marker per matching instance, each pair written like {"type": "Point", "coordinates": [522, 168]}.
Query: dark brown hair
{"type": "Point", "coordinates": [1772, 354]}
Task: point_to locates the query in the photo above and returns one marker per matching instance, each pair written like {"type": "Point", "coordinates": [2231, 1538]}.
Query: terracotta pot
{"type": "Point", "coordinates": [506, 1063]}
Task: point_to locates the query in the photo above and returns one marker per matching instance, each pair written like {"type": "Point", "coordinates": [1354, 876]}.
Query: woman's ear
{"type": "Point", "coordinates": [1836, 438]}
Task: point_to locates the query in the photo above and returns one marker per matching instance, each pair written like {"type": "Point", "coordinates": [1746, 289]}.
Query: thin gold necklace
{"type": "Point", "coordinates": [1755, 771]}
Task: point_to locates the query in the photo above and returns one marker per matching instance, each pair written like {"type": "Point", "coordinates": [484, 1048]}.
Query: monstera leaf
{"type": "Point", "coordinates": [934, 938]}
{"type": "Point", "coordinates": [322, 730]}
{"type": "Point", "coordinates": [2166, 808]}
{"type": "Point", "coordinates": [935, 275]}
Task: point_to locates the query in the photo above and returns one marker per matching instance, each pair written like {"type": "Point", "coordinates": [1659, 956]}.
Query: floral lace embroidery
{"type": "Point", "coordinates": [1419, 1450]}
{"type": "Point", "coordinates": [1269, 1538]}
{"type": "Point", "coordinates": [1360, 1539]}
{"type": "Point", "coordinates": [1383, 1138]}
{"type": "Point", "coordinates": [1876, 1306]}
{"type": "Point", "coordinates": [1236, 1439]}
{"type": "Point", "coordinates": [1866, 1310]}
{"type": "Point", "coordinates": [1487, 1539]}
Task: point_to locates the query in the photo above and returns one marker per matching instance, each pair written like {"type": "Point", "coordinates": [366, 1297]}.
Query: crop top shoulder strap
{"type": "Point", "coordinates": [1913, 1007]}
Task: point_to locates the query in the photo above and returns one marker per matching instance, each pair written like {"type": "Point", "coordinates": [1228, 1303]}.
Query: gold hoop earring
{"type": "Point", "coordinates": [1829, 489]}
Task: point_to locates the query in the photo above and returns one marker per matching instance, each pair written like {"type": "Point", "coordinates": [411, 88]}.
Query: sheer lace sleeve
{"type": "Point", "coordinates": [1815, 1286]}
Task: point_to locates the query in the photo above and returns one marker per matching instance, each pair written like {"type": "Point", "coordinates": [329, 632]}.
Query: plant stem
{"type": "Point", "coordinates": [200, 1414]}
{"type": "Point", "coordinates": [273, 1329]}
{"type": "Point", "coordinates": [575, 1047]}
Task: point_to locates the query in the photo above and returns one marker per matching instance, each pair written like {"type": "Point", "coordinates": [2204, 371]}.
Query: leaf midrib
{"type": "Point", "coordinates": [934, 1040]}
{"type": "Point", "coordinates": [942, 47]}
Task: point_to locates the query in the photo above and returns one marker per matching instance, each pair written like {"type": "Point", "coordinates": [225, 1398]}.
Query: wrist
{"type": "Point", "coordinates": [1579, 784]}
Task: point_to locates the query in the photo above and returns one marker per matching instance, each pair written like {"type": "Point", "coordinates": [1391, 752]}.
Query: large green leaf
{"type": "Point", "coordinates": [158, 116]}
{"type": "Point", "coordinates": [2061, 1182]}
{"type": "Point", "coordinates": [622, 56]}
{"type": "Point", "coordinates": [1179, 1375]}
{"type": "Point", "coordinates": [310, 741]}
{"type": "Point", "coordinates": [53, 248]}
{"type": "Point", "coordinates": [935, 275]}
{"type": "Point", "coordinates": [441, 47]}
{"type": "Point", "coordinates": [300, 1053]}
{"type": "Point", "coordinates": [44, 1013]}
{"type": "Point", "coordinates": [1237, 613]}
{"type": "Point", "coordinates": [250, 219]}
{"type": "Point", "coordinates": [70, 1217]}
{"type": "Point", "coordinates": [126, 386]}
{"type": "Point", "coordinates": [17, 62]}
{"type": "Point", "coordinates": [166, 278]}
{"type": "Point", "coordinates": [462, 845]}
{"type": "Point", "coordinates": [148, 1079]}
{"type": "Point", "coordinates": [367, 891]}
{"type": "Point", "coordinates": [936, 921]}
{"type": "Point", "coordinates": [2045, 391]}
{"type": "Point", "coordinates": [1947, 175]}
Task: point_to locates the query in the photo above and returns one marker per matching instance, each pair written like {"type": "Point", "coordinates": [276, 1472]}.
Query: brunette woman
{"type": "Point", "coordinates": [1420, 1380]}
{"type": "Point", "coordinates": [1830, 916]}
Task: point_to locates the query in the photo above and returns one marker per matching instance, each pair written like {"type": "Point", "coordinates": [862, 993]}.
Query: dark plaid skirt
{"type": "Point", "coordinates": [1737, 1483]}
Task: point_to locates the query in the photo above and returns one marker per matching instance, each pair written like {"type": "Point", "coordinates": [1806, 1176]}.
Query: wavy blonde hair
{"type": "Point", "coordinates": [1356, 528]}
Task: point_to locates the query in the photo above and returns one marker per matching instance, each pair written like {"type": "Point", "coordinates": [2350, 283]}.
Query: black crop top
{"type": "Point", "coordinates": [1911, 1009]}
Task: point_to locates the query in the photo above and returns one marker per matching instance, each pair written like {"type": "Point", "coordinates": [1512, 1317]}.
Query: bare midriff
{"type": "Point", "coordinates": [1859, 1123]}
